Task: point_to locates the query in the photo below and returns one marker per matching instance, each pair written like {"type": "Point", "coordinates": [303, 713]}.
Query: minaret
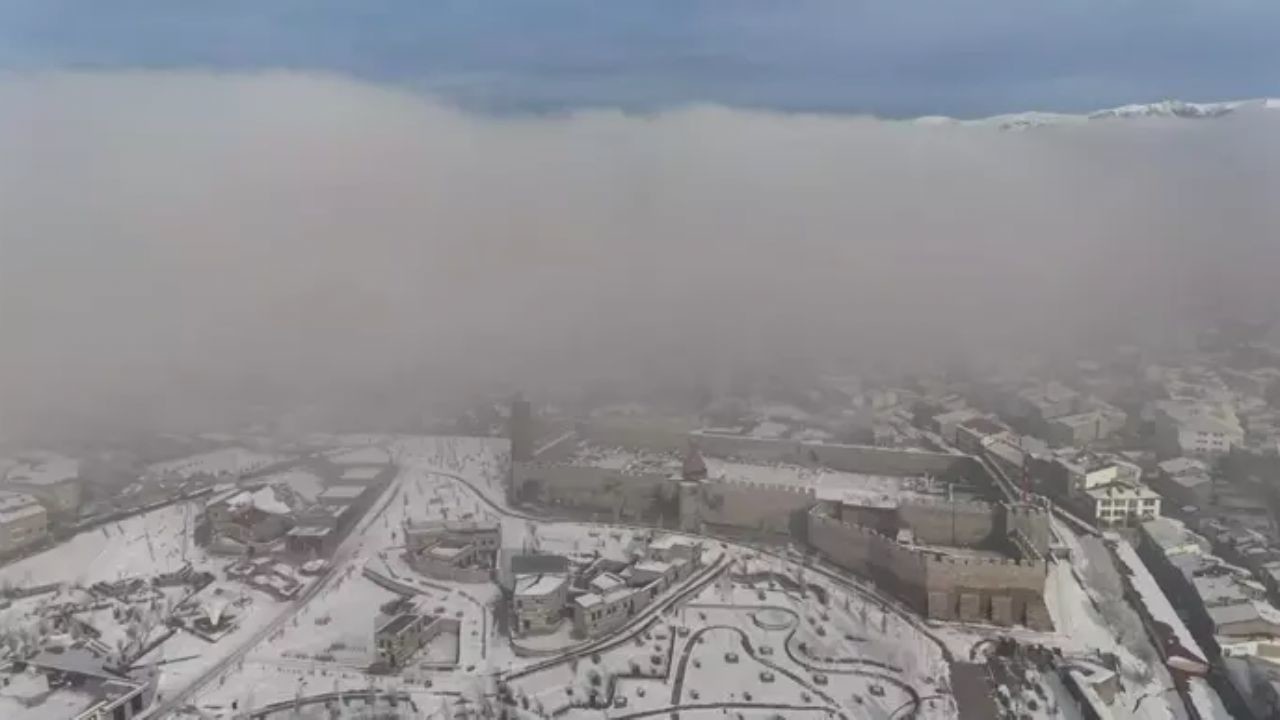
{"type": "Point", "coordinates": [694, 468]}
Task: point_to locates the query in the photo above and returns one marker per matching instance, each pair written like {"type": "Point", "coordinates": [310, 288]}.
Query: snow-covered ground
{"type": "Point", "coordinates": [798, 655]}
{"type": "Point", "coordinates": [361, 456]}
{"type": "Point", "coordinates": [1085, 598]}
{"type": "Point", "coordinates": [828, 484]}
{"type": "Point", "coordinates": [139, 546]}
{"type": "Point", "coordinates": [42, 468]}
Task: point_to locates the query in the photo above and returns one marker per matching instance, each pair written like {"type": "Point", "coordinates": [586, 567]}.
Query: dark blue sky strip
{"type": "Point", "coordinates": [887, 57]}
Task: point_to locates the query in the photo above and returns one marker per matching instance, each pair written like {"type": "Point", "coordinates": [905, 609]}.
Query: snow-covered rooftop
{"type": "Point", "coordinates": [343, 492]}
{"type": "Point", "coordinates": [539, 585]}
{"type": "Point", "coordinates": [361, 473]}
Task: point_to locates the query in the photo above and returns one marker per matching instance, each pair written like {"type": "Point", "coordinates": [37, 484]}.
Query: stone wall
{"type": "Point", "coordinates": [772, 509]}
{"type": "Point", "coordinates": [589, 490]}
{"type": "Point", "coordinates": [866, 552]}
{"type": "Point", "coordinates": [1032, 522]}
{"type": "Point", "coordinates": [999, 590]}
{"type": "Point", "coordinates": [958, 524]}
{"type": "Point", "coordinates": [942, 586]}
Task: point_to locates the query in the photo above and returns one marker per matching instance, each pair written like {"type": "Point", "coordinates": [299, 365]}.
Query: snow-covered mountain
{"type": "Point", "coordinates": [1163, 109]}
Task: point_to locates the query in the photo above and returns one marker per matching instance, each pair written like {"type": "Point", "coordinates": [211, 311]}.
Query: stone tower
{"type": "Point", "coordinates": [694, 468]}
{"type": "Point", "coordinates": [520, 430]}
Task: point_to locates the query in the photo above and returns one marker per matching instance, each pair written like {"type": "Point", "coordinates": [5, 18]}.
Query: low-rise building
{"type": "Point", "coordinates": [538, 602]}
{"type": "Point", "coordinates": [1186, 481]}
{"type": "Point", "coordinates": [672, 547]}
{"type": "Point", "coordinates": [973, 435]}
{"type": "Point", "coordinates": [23, 522]}
{"type": "Point", "coordinates": [615, 594]}
{"type": "Point", "coordinates": [595, 614]}
{"type": "Point", "coordinates": [1085, 427]}
{"type": "Point", "coordinates": [1087, 470]}
{"type": "Point", "coordinates": [459, 550]}
{"type": "Point", "coordinates": [947, 424]}
{"type": "Point", "coordinates": [243, 518]}
{"type": "Point", "coordinates": [1196, 429]}
{"type": "Point", "coordinates": [397, 637]}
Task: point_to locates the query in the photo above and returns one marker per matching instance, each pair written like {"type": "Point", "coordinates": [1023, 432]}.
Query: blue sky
{"type": "Point", "coordinates": [886, 57]}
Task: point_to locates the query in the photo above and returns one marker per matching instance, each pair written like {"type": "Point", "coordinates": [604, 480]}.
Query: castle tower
{"type": "Point", "coordinates": [520, 430]}
{"type": "Point", "coordinates": [694, 468]}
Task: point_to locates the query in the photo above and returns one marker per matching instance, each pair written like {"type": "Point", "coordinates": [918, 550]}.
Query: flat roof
{"type": "Point", "coordinates": [445, 551]}
{"type": "Point", "coordinates": [588, 600]}
{"type": "Point", "coordinates": [1244, 612]}
{"type": "Point", "coordinates": [361, 473]}
{"type": "Point", "coordinates": [398, 623]}
{"type": "Point", "coordinates": [309, 531]}
{"type": "Point", "coordinates": [539, 585]}
{"type": "Point", "coordinates": [538, 564]}
{"type": "Point", "coordinates": [343, 491]}
{"type": "Point", "coordinates": [605, 582]}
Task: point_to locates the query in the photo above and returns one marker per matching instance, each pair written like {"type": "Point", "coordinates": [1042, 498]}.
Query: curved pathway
{"type": "Point", "coordinates": [912, 694]}
{"type": "Point", "coordinates": [692, 643]}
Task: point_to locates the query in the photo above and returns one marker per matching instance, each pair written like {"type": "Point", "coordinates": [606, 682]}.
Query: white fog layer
{"type": "Point", "coordinates": [186, 235]}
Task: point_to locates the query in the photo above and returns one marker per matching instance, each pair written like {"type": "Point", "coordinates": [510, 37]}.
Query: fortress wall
{"type": "Point", "coordinates": [950, 572]}
{"type": "Point", "coordinates": [959, 524]}
{"type": "Point", "coordinates": [866, 552]}
{"type": "Point", "coordinates": [883, 520]}
{"type": "Point", "coordinates": [593, 489]}
{"type": "Point", "coordinates": [750, 506]}
{"type": "Point", "coordinates": [747, 448]}
{"type": "Point", "coordinates": [1034, 524]}
{"type": "Point", "coordinates": [1000, 591]}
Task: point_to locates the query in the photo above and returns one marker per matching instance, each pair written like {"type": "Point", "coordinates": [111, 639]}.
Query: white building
{"type": "Point", "coordinates": [1196, 429]}
{"type": "Point", "coordinates": [1122, 503]}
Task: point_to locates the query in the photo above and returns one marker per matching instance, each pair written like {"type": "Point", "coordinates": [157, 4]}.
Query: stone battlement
{"type": "Point", "coordinates": [1025, 511]}
{"type": "Point", "coordinates": [818, 515]}
{"type": "Point", "coordinates": [751, 485]}
{"type": "Point", "coordinates": [925, 502]}
{"type": "Point", "coordinates": [830, 522]}
{"type": "Point", "coordinates": [943, 558]}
